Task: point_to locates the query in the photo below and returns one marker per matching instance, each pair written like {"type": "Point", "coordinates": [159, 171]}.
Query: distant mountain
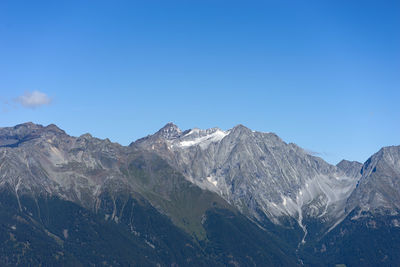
{"type": "Point", "coordinates": [193, 197]}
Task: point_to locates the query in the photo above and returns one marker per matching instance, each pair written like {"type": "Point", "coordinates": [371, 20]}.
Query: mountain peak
{"type": "Point", "coordinates": [21, 133]}
{"type": "Point", "coordinates": [169, 131]}
{"type": "Point", "coordinates": [30, 127]}
{"type": "Point", "coordinates": [54, 128]}
{"type": "Point", "coordinates": [21, 130]}
{"type": "Point", "coordinates": [26, 124]}
{"type": "Point", "coordinates": [350, 168]}
{"type": "Point", "coordinates": [240, 128]}
{"type": "Point", "coordinates": [378, 187]}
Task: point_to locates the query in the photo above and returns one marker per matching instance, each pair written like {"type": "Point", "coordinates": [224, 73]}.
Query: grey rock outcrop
{"type": "Point", "coordinates": [45, 160]}
{"type": "Point", "coordinates": [98, 175]}
{"type": "Point", "coordinates": [379, 187]}
{"type": "Point", "coordinates": [257, 172]}
{"type": "Point", "coordinates": [350, 168]}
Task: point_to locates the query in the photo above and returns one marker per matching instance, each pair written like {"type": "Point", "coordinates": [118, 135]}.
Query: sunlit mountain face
{"type": "Point", "coordinates": [193, 197]}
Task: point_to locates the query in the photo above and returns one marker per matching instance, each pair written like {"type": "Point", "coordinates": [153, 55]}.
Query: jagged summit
{"type": "Point", "coordinates": [173, 133]}
{"type": "Point", "coordinates": [240, 127]}
{"type": "Point", "coordinates": [169, 131]}
{"type": "Point", "coordinates": [241, 130]}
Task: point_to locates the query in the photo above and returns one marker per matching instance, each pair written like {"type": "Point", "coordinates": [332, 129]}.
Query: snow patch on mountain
{"type": "Point", "coordinates": [212, 180]}
{"type": "Point", "coordinates": [203, 138]}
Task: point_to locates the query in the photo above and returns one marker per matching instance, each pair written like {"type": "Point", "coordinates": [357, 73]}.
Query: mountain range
{"type": "Point", "coordinates": [192, 198]}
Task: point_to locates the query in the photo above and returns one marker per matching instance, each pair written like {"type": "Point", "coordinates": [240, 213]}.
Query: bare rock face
{"type": "Point", "coordinates": [350, 168]}
{"type": "Point", "coordinates": [98, 203]}
{"type": "Point", "coordinates": [379, 186]}
{"type": "Point", "coordinates": [258, 172]}
{"type": "Point", "coordinates": [45, 160]}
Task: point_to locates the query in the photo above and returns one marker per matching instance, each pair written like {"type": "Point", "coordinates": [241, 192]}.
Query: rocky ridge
{"type": "Point", "coordinates": [257, 172]}
{"type": "Point", "coordinates": [190, 176]}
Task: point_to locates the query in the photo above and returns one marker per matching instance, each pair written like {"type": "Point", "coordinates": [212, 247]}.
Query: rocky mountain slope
{"type": "Point", "coordinates": [92, 201]}
{"type": "Point", "coordinates": [257, 172]}
{"type": "Point", "coordinates": [195, 197]}
{"type": "Point", "coordinates": [370, 233]}
{"type": "Point", "coordinates": [379, 185]}
{"type": "Point", "coordinates": [350, 168]}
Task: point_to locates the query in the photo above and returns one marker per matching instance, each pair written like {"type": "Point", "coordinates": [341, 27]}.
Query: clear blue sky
{"type": "Point", "coordinates": [322, 74]}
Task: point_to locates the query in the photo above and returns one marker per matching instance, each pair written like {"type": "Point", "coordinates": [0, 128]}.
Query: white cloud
{"type": "Point", "coordinates": [33, 99]}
